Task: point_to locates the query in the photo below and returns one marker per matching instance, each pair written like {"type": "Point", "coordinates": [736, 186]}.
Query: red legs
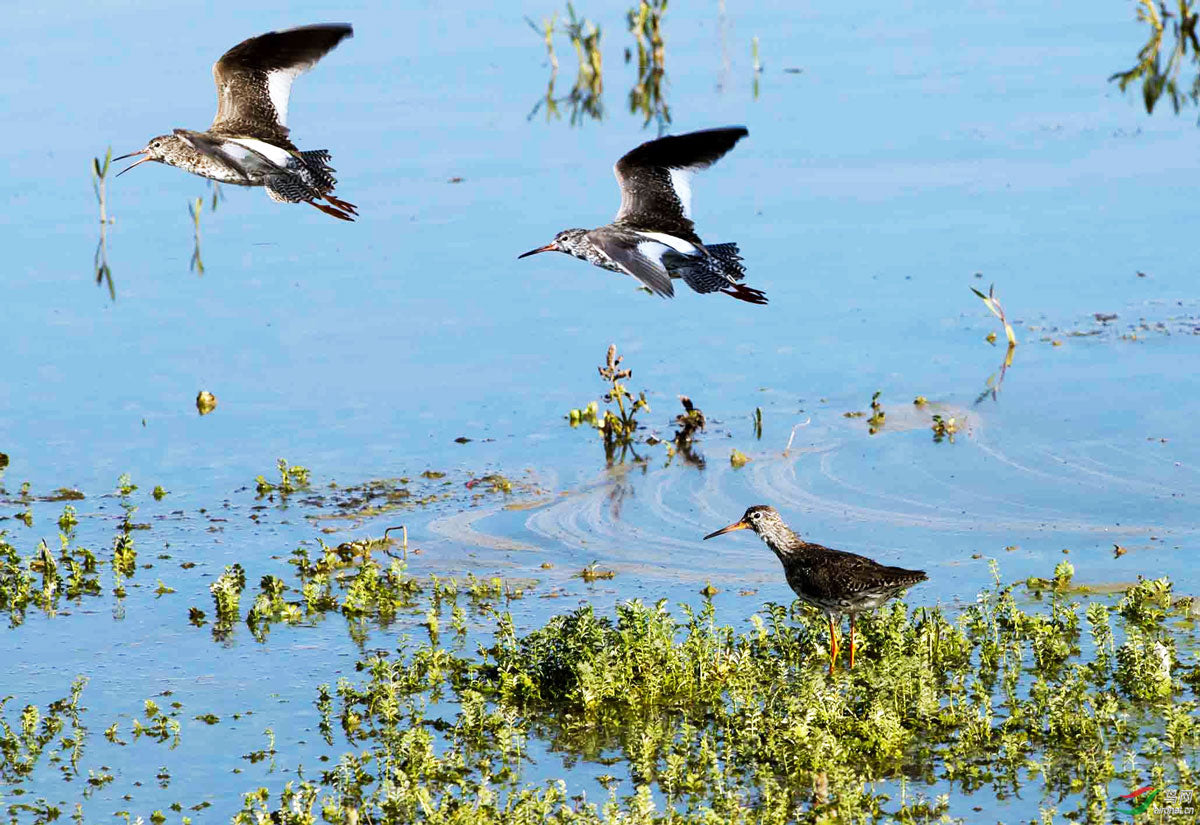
{"type": "Point", "coordinates": [745, 293]}
{"type": "Point", "coordinates": [345, 206]}
{"type": "Point", "coordinates": [833, 645]}
{"type": "Point", "coordinates": [329, 210]}
{"type": "Point", "coordinates": [852, 617]}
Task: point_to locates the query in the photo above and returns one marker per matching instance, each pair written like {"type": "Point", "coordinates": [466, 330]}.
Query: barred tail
{"type": "Point", "coordinates": [316, 161]}
{"type": "Point", "coordinates": [730, 259]}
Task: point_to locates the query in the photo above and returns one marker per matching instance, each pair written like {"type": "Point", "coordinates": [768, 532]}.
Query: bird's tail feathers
{"type": "Point", "coordinates": [316, 161]}
{"type": "Point", "coordinates": [730, 258]}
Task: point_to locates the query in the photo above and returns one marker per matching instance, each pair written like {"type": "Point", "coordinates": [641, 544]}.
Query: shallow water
{"type": "Point", "coordinates": [912, 157]}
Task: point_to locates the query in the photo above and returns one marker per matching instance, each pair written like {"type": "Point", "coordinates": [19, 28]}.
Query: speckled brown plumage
{"type": "Point", "coordinates": [248, 143]}
{"type": "Point", "coordinates": [834, 581]}
{"type": "Point", "coordinates": [652, 237]}
{"type": "Point", "coordinates": [242, 75]}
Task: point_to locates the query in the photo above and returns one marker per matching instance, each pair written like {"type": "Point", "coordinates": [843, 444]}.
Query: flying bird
{"type": "Point", "coordinates": [653, 237]}
{"type": "Point", "coordinates": [248, 144]}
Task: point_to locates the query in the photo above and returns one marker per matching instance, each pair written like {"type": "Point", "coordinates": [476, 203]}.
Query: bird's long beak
{"type": "Point", "coordinates": [146, 159]}
{"type": "Point", "coordinates": [550, 247]}
{"type": "Point", "coordinates": [737, 525]}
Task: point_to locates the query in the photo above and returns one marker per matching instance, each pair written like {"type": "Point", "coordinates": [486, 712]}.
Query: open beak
{"type": "Point", "coordinates": [146, 159]}
{"type": "Point", "coordinates": [550, 247]}
{"type": "Point", "coordinates": [737, 525]}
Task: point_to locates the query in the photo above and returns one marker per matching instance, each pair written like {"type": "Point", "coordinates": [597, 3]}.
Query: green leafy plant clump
{"type": "Point", "coordinates": [697, 722]}
{"type": "Point", "coordinates": [618, 427]}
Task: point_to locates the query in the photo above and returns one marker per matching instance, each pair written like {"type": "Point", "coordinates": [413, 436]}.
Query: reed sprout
{"type": "Point", "coordinates": [100, 187]}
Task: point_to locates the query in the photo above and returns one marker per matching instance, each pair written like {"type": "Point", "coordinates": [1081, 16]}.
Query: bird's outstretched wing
{"type": "Point", "coordinates": [254, 78]}
{"type": "Point", "coordinates": [655, 179]}
{"type": "Point", "coordinates": [642, 260]}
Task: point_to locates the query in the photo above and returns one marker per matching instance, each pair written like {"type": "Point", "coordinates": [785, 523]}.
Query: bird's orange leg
{"type": "Point", "coordinates": [833, 645]}
{"type": "Point", "coordinates": [345, 206]}
{"type": "Point", "coordinates": [852, 641]}
{"type": "Point", "coordinates": [329, 210]}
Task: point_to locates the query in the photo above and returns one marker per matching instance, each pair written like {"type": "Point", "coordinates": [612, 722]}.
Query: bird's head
{"type": "Point", "coordinates": [157, 149]}
{"type": "Point", "coordinates": [567, 241]}
{"type": "Point", "coordinates": [761, 518]}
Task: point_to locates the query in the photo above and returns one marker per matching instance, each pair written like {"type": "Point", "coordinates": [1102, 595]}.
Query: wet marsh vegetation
{"type": "Point", "coordinates": [1039, 690]}
{"type": "Point", "coordinates": [474, 590]}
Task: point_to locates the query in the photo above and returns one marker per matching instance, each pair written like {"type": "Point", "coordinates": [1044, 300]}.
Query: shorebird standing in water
{"type": "Point", "coordinates": [653, 237]}
{"type": "Point", "coordinates": [833, 581]}
{"type": "Point", "coordinates": [248, 143]}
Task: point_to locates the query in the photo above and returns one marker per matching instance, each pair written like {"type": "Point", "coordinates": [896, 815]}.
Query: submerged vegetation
{"type": "Point", "coordinates": [196, 209]}
{"type": "Point", "coordinates": [1158, 68]}
{"type": "Point", "coordinates": [616, 428]}
{"type": "Point", "coordinates": [646, 96]}
{"type": "Point", "coordinates": [694, 721]}
{"type": "Point", "coordinates": [583, 102]}
{"type": "Point", "coordinates": [584, 99]}
{"type": "Point", "coordinates": [100, 187]}
{"type": "Point", "coordinates": [461, 711]}
{"type": "Point", "coordinates": [993, 304]}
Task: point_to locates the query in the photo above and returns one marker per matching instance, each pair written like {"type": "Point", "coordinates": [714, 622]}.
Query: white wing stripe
{"type": "Point", "coordinates": [678, 244]}
{"type": "Point", "coordinates": [681, 182]}
{"type": "Point", "coordinates": [279, 157]}
{"type": "Point", "coordinates": [279, 89]}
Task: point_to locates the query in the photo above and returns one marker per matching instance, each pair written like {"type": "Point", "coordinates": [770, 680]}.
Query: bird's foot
{"type": "Point", "coordinates": [329, 210]}
{"type": "Point", "coordinates": [345, 206]}
{"type": "Point", "coordinates": [745, 293]}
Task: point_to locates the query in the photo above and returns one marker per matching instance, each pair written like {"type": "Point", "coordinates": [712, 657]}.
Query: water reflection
{"type": "Point", "coordinates": [689, 422]}
{"type": "Point", "coordinates": [996, 379]}
{"type": "Point", "coordinates": [583, 101]}
{"type": "Point", "coordinates": [646, 97]}
{"type": "Point", "coordinates": [195, 209]}
{"type": "Point", "coordinates": [99, 186]}
{"type": "Point", "coordinates": [1159, 79]}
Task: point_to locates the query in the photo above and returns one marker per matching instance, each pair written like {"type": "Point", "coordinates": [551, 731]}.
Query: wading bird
{"type": "Point", "coordinates": [653, 237]}
{"type": "Point", "coordinates": [247, 144]}
{"type": "Point", "coordinates": [833, 581]}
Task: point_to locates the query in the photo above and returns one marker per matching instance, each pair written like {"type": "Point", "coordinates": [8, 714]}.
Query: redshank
{"type": "Point", "coordinates": [833, 581]}
{"type": "Point", "coordinates": [248, 143]}
{"type": "Point", "coordinates": [653, 237]}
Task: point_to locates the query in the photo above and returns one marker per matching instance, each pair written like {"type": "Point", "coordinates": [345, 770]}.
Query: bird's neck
{"type": "Point", "coordinates": [784, 542]}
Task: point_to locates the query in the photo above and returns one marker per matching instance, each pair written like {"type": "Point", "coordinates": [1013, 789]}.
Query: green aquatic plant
{"type": "Point", "coordinates": [584, 99]}
{"type": "Point", "coordinates": [291, 478]}
{"type": "Point", "coordinates": [693, 721]}
{"type": "Point", "coordinates": [993, 304]}
{"type": "Point", "coordinates": [195, 209]}
{"type": "Point", "coordinates": [944, 428]}
{"type": "Point", "coordinates": [756, 65]}
{"type": "Point", "coordinates": [618, 428]}
{"type": "Point", "coordinates": [100, 187]}
{"type": "Point", "coordinates": [687, 423]}
{"type": "Point", "coordinates": [878, 416]}
{"type": "Point", "coordinates": [206, 402]}
{"type": "Point", "coordinates": [1159, 78]}
{"type": "Point", "coordinates": [646, 96]}
{"type": "Point", "coordinates": [227, 594]}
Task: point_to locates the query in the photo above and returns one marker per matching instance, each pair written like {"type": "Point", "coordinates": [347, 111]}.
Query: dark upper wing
{"type": "Point", "coordinates": [642, 260]}
{"type": "Point", "coordinates": [842, 572]}
{"type": "Point", "coordinates": [254, 78]}
{"type": "Point", "coordinates": [655, 178]}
